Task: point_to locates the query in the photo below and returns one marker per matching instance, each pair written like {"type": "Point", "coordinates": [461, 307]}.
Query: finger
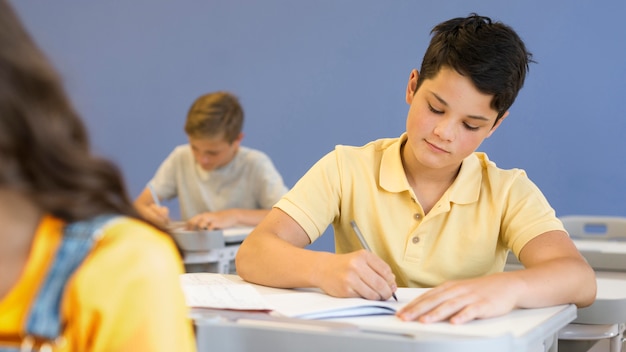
{"type": "Point", "coordinates": [371, 286]}
{"type": "Point", "coordinates": [384, 280]}
{"type": "Point", "coordinates": [466, 314]}
{"type": "Point", "coordinates": [457, 310]}
{"type": "Point", "coordinates": [446, 307]}
{"type": "Point", "coordinates": [424, 304]}
{"type": "Point", "coordinates": [362, 289]}
{"type": "Point", "coordinates": [194, 223]}
{"type": "Point", "coordinates": [206, 223]}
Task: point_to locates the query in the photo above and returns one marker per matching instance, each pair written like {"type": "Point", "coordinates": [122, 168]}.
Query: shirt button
{"type": "Point", "coordinates": [417, 216]}
{"type": "Point", "coordinates": [415, 240]}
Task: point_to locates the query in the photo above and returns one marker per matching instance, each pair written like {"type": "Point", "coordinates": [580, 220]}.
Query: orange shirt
{"type": "Point", "coordinates": [125, 296]}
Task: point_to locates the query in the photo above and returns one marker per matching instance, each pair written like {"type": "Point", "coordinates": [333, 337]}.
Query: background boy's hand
{"type": "Point", "coordinates": [160, 215]}
{"type": "Point", "coordinates": [213, 220]}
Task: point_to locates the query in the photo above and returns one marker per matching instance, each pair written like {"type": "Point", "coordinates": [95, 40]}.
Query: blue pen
{"type": "Point", "coordinates": [364, 244]}
{"type": "Point", "coordinates": [154, 195]}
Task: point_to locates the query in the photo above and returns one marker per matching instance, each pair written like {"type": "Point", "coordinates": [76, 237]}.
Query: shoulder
{"type": "Point", "coordinates": [491, 172]}
{"type": "Point", "coordinates": [375, 146]}
{"type": "Point", "coordinates": [370, 154]}
{"type": "Point", "coordinates": [252, 159]}
{"type": "Point", "coordinates": [130, 245]}
{"type": "Point", "coordinates": [179, 156]}
{"type": "Point", "coordinates": [512, 186]}
{"type": "Point", "coordinates": [132, 275]}
{"type": "Point", "coordinates": [182, 150]}
{"type": "Point", "coordinates": [250, 154]}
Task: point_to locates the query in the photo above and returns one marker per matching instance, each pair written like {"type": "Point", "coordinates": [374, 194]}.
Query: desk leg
{"type": "Point", "coordinates": [552, 343]}
{"type": "Point", "coordinates": [227, 254]}
{"type": "Point", "coordinates": [616, 342]}
{"type": "Point", "coordinates": [216, 260]}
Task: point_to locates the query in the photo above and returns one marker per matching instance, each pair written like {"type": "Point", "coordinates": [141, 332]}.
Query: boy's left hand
{"type": "Point", "coordinates": [464, 300]}
{"type": "Point", "coordinates": [212, 220]}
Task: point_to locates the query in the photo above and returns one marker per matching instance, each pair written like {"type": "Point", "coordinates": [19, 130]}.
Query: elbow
{"type": "Point", "coordinates": [589, 292]}
{"type": "Point", "coordinates": [241, 264]}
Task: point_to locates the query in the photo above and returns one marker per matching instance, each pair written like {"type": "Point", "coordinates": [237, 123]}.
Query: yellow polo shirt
{"type": "Point", "coordinates": [468, 233]}
{"type": "Point", "coordinates": [126, 295]}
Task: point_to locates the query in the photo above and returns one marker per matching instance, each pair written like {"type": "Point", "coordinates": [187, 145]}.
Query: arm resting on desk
{"type": "Point", "coordinates": [227, 218]}
{"type": "Point", "coordinates": [555, 273]}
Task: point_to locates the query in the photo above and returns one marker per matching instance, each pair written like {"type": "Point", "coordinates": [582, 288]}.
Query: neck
{"type": "Point", "coordinates": [19, 218]}
{"type": "Point", "coordinates": [428, 184]}
{"type": "Point", "coordinates": [417, 173]}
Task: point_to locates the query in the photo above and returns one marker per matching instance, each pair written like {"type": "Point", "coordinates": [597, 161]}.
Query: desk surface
{"type": "Point", "coordinates": [618, 247]}
{"type": "Point", "coordinates": [521, 330]}
{"type": "Point", "coordinates": [602, 255]}
{"type": "Point", "coordinates": [610, 304]}
{"type": "Point", "coordinates": [204, 240]}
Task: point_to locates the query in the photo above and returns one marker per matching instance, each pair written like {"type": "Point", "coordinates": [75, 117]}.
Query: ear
{"type": "Point", "coordinates": [495, 127]}
{"type": "Point", "coordinates": [411, 86]}
{"type": "Point", "coordinates": [238, 139]}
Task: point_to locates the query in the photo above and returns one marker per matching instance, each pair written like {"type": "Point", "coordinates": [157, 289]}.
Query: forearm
{"type": "Point", "coordinates": [275, 262]}
{"type": "Point", "coordinates": [250, 217]}
{"type": "Point", "coordinates": [558, 281]}
{"type": "Point", "coordinates": [143, 204]}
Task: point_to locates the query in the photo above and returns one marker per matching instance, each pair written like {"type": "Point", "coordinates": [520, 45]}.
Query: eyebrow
{"type": "Point", "coordinates": [442, 101]}
{"type": "Point", "coordinates": [210, 151]}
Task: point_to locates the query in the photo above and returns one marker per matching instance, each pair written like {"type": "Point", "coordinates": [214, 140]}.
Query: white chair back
{"type": "Point", "coordinates": [591, 227]}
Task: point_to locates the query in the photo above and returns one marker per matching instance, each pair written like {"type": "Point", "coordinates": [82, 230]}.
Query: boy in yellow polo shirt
{"type": "Point", "coordinates": [435, 212]}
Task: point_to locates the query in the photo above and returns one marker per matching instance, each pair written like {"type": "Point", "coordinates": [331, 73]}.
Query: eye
{"type": "Point", "coordinates": [430, 107]}
{"type": "Point", "coordinates": [470, 127]}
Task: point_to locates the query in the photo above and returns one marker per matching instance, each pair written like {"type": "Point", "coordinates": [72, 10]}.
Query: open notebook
{"type": "Point", "coordinates": [215, 291]}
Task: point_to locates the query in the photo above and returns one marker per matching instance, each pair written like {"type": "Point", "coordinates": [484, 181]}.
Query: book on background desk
{"type": "Point", "coordinates": [206, 290]}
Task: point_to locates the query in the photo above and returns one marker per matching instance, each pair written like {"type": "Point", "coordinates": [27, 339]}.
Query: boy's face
{"type": "Point", "coordinates": [447, 120]}
{"type": "Point", "coordinates": [213, 153]}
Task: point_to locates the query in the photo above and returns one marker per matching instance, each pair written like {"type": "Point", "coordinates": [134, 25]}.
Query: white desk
{"type": "Point", "coordinates": [211, 251]}
{"type": "Point", "coordinates": [521, 330]}
{"type": "Point", "coordinates": [603, 255]}
{"type": "Point", "coordinates": [608, 312]}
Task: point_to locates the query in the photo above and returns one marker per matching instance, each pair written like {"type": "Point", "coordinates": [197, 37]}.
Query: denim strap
{"type": "Point", "coordinates": [78, 239]}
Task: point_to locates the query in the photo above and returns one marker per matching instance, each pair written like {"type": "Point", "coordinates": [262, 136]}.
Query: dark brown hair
{"type": "Point", "coordinates": [490, 54]}
{"type": "Point", "coordinates": [44, 147]}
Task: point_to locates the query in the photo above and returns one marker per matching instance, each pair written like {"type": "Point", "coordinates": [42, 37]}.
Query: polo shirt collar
{"type": "Point", "coordinates": [465, 189]}
{"type": "Point", "coordinates": [392, 175]}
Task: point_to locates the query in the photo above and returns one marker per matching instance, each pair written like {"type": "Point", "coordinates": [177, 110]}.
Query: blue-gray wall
{"type": "Point", "coordinates": [312, 74]}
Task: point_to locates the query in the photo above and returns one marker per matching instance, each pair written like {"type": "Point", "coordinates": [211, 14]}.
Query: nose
{"type": "Point", "coordinates": [444, 129]}
{"type": "Point", "coordinates": [204, 160]}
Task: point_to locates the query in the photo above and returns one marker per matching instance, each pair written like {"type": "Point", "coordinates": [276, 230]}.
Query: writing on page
{"type": "Point", "coordinates": [204, 290]}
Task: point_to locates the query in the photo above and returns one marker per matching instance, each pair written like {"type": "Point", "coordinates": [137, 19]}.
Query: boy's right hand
{"type": "Point", "coordinates": [160, 215]}
{"type": "Point", "coordinates": [357, 274]}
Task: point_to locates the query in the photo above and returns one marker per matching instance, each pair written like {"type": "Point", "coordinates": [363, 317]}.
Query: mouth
{"type": "Point", "coordinates": [436, 148]}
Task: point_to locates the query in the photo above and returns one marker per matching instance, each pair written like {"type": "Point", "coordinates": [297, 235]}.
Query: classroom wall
{"type": "Point", "coordinates": [313, 74]}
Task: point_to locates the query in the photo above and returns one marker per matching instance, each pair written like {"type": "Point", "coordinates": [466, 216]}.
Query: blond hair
{"type": "Point", "coordinates": [215, 115]}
